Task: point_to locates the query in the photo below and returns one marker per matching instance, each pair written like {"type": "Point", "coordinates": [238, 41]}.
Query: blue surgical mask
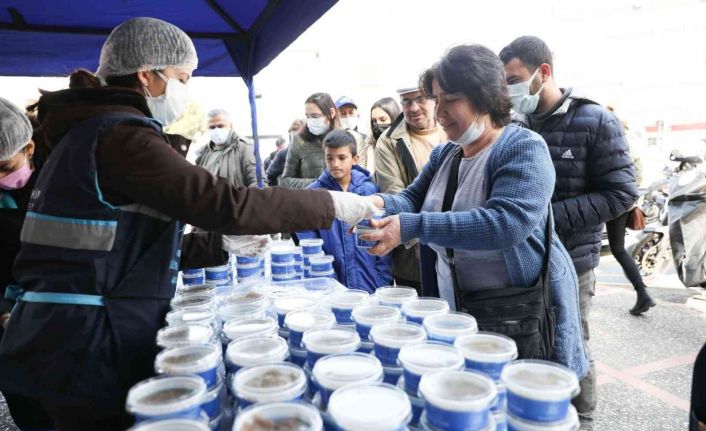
{"type": "Point", "coordinates": [522, 101]}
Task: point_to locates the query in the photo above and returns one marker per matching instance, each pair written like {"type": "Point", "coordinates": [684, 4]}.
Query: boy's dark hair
{"type": "Point", "coordinates": [340, 138]}
{"type": "Point", "coordinates": [477, 73]}
{"type": "Point", "coordinates": [530, 50]}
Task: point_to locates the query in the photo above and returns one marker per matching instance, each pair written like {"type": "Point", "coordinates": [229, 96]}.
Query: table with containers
{"type": "Point", "coordinates": [274, 342]}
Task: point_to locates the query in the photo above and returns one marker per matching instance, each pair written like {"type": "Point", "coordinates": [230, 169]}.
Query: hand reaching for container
{"type": "Point", "coordinates": [388, 235]}
{"type": "Point", "coordinates": [352, 208]}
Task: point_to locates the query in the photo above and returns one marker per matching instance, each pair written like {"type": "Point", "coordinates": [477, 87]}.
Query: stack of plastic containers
{"type": "Point", "coordinates": [282, 263]}
{"type": "Point", "coordinates": [539, 396]}
{"type": "Point", "coordinates": [388, 339]}
{"type": "Point", "coordinates": [366, 316]}
{"type": "Point", "coordinates": [221, 277]}
{"type": "Point", "coordinates": [248, 268]}
{"type": "Point", "coordinates": [310, 248]}
{"type": "Point", "coordinates": [321, 266]}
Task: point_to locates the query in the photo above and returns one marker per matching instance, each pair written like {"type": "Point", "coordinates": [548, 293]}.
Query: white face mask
{"type": "Point", "coordinates": [170, 105]}
{"type": "Point", "coordinates": [471, 134]}
{"type": "Point", "coordinates": [522, 101]}
{"type": "Point", "coordinates": [219, 135]}
{"type": "Point", "coordinates": [349, 122]}
{"type": "Point", "coordinates": [317, 126]}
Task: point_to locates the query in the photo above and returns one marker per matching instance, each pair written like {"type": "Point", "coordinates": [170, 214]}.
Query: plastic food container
{"type": "Point", "coordinates": [492, 425]}
{"type": "Point", "coordinates": [268, 383]}
{"type": "Point", "coordinates": [200, 359]}
{"type": "Point", "coordinates": [457, 400]}
{"type": "Point", "coordinates": [448, 327]}
{"type": "Point", "coordinates": [184, 335]}
{"type": "Point", "coordinates": [196, 289]}
{"type": "Point", "coordinates": [192, 276]}
{"type": "Point", "coordinates": [239, 329]}
{"type": "Point", "coordinates": [539, 391]}
{"type": "Point", "coordinates": [247, 352]}
{"type": "Point", "coordinates": [379, 407]}
{"type": "Point", "coordinates": [321, 263]}
{"type": "Point", "coordinates": [230, 312]}
{"type": "Point", "coordinates": [285, 304]}
{"type": "Point", "coordinates": [192, 272]}
{"type": "Point", "coordinates": [217, 272]}
{"type": "Point", "coordinates": [284, 277]}
{"type": "Point", "coordinates": [247, 270]}
{"type": "Point", "coordinates": [417, 402]}
{"type": "Point", "coordinates": [171, 425]}
{"type": "Point", "coordinates": [311, 246]}
{"type": "Point", "coordinates": [298, 322]}
{"type": "Point", "coordinates": [182, 317]}
{"type": "Point", "coordinates": [336, 371]}
{"type": "Point", "coordinates": [569, 423]}
{"type": "Point", "coordinates": [297, 356]}
{"type": "Point", "coordinates": [326, 274]}
{"type": "Point", "coordinates": [390, 337]}
{"type": "Point", "coordinates": [279, 416]}
{"type": "Point", "coordinates": [363, 229]}
{"type": "Point", "coordinates": [282, 268]}
{"type": "Point", "coordinates": [166, 398]}
{"type": "Point", "coordinates": [241, 259]}
{"type": "Point", "coordinates": [306, 258]}
{"type": "Point", "coordinates": [322, 342]}
{"type": "Point", "coordinates": [416, 310]}
{"type": "Point", "coordinates": [395, 296]}
{"type": "Point", "coordinates": [211, 403]}
{"type": "Point", "coordinates": [393, 374]}
{"type": "Point", "coordinates": [282, 254]}
{"type": "Point", "coordinates": [367, 316]}
{"type": "Point", "coordinates": [193, 302]}
{"type": "Point", "coordinates": [342, 303]}
{"type": "Point", "coordinates": [422, 358]}
{"type": "Point", "coordinates": [487, 352]}
{"type": "Point", "coordinates": [246, 297]}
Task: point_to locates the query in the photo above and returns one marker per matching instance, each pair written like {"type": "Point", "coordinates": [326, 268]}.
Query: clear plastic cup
{"type": "Point", "coordinates": [247, 352]}
{"type": "Point", "coordinates": [184, 335]}
{"type": "Point", "coordinates": [448, 327]}
{"type": "Point", "coordinates": [569, 423]}
{"type": "Point", "coordinates": [238, 329]}
{"type": "Point", "coordinates": [166, 398]}
{"type": "Point", "coordinates": [311, 246]}
{"type": "Point", "coordinates": [335, 371]}
{"type": "Point", "coordinates": [419, 359]}
{"type": "Point", "coordinates": [379, 407]}
{"type": "Point", "coordinates": [367, 316]}
{"type": "Point", "coordinates": [300, 321]}
{"type": "Point", "coordinates": [415, 310]}
{"type": "Point", "coordinates": [193, 302]}
{"type": "Point", "coordinates": [487, 352]}
{"type": "Point", "coordinates": [285, 304]}
{"type": "Point", "coordinates": [457, 400]}
{"type": "Point", "coordinates": [300, 416]}
{"type": "Point", "coordinates": [281, 382]}
{"type": "Point", "coordinates": [539, 391]}
{"type": "Point", "coordinates": [322, 342]}
{"type": "Point", "coordinates": [342, 303]}
{"type": "Point", "coordinates": [200, 359]}
{"type": "Point", "coordinates": [390, 337]}
{"type": "Point", "coordinates": [395, 296]}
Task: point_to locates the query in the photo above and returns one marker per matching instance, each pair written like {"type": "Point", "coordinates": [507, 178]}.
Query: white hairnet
{"type": "Point", "coordinates": [142, 44]}
{"type": "Point", "coordinates": [15, 130]}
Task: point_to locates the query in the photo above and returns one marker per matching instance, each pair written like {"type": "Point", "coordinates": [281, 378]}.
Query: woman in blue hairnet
{"type": "Point", "coordinates": [99, 253]}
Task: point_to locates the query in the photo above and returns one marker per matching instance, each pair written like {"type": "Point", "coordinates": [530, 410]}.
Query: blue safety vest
{"type": "Point", "coordinates": [94, 281]}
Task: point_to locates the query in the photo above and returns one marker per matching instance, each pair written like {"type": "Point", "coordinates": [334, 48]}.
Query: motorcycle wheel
{"type": "Point", "coordinates": [651, 255]}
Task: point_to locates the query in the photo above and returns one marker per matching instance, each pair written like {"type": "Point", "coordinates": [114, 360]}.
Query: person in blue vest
{"type": "Point", "coordinates": [101, 239]}
{"type": "Point", "coordinates": [355, 267]}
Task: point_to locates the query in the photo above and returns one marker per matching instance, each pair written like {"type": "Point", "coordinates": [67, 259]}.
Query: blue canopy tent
{"type": "Point", "coordinates": [232, 37]}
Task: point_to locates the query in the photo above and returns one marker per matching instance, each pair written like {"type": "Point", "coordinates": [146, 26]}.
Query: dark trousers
{"type": "Point", "coordinates": [27, 413]}
{"type": "Point", "coordinates": [616, 239]}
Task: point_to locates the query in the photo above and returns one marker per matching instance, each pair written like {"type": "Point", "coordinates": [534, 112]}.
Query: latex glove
{"type": "Point", "coordinates": [246, 245]}
{"type": "Point", "coordinates": [352, 208]}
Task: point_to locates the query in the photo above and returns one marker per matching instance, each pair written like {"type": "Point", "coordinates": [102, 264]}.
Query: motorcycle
{"type": "Point", "coordinates": [652, 250]}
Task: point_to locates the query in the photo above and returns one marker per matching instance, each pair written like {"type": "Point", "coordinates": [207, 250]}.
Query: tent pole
{"type": "Point", "coordinates": [253, 121]}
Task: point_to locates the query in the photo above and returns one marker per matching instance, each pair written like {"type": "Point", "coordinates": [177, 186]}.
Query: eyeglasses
{"type": "Point", "coordinates": [419, 100]}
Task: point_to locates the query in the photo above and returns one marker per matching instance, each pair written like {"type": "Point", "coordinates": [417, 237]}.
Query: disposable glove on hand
{"type": "Point", "coordinates": [246, 245]}
{"type": "Point", "coordinates": [352, 208]}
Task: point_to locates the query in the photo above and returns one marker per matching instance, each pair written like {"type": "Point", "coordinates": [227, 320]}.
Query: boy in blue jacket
{"type": "Point", "coordinates": [354, 267]}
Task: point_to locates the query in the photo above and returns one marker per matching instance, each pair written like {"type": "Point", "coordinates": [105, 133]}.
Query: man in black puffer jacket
{"type": "Point", "coordinates": [595, 177]}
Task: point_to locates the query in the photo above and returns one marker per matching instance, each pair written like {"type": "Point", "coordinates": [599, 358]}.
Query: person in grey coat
{"type": "Point", "coordinates": [228, 155]}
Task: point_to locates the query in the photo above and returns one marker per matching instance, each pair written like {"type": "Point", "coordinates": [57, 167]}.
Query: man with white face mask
{"type": "Point", "coordinates": [228, 155]}
{"type": "Point", "coordinates": [595, 178]}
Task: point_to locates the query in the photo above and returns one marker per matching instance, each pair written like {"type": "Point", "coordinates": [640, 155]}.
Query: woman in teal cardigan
{"type": "Point", "coordinates": [501, 207]}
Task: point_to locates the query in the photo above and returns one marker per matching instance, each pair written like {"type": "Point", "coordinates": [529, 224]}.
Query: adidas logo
{"type": "Point", "coordinates": [567, 155]}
